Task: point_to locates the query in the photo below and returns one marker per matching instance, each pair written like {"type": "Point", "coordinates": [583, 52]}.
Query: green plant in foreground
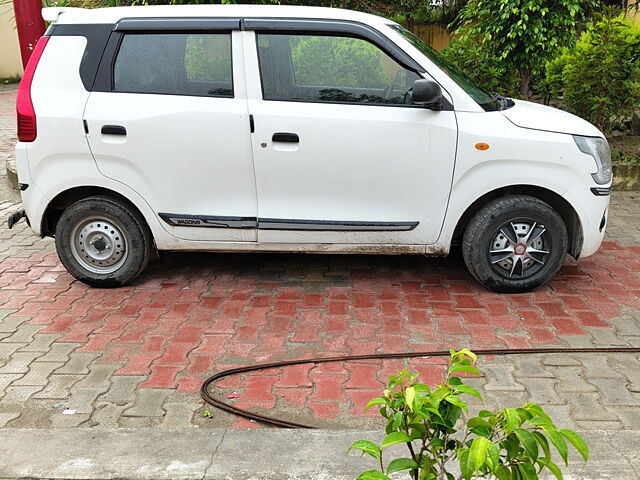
{"type": "Point", "coordinates": [511, 444]}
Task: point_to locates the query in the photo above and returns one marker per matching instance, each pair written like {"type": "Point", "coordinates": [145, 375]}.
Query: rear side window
{"type": "Point", "coordinates": [175, 64]}
{"type": "Point", "coordinates": [321, 68]}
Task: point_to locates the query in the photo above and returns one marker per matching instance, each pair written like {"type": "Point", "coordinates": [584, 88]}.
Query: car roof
{"type": "Point", "coordinates": [62, 15]}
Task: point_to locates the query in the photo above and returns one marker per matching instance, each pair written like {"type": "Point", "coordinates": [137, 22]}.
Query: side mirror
{"type": "Point", "coordinates": [426, 91]}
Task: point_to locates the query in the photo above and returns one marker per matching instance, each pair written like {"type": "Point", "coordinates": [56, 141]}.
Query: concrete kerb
{"type": "Point", "coordinates": [185, 454]}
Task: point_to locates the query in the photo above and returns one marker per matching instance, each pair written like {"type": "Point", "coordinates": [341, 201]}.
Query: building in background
{"type": "Point", "coordinates": [10, 61]}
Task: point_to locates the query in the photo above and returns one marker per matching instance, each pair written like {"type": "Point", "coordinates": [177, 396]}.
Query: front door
{"type": "Point", "coordinates": [174, 127]}
{"type": "Point", "coordinates": [340, 153]}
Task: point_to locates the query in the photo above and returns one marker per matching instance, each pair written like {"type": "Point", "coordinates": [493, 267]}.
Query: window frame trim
{"type": "Point", "coordinates": [105, 76]}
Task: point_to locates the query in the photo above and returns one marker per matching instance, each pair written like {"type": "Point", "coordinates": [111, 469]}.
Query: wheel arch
{"type": "Point", "coordinates": [68, 197]}
{"type": "Point", "coordinates": [553, 199]}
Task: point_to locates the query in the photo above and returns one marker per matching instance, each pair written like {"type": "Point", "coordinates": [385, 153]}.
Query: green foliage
{"type": "Point", "coordinates": [331, 61]}
{"type": "Point", "coordinates": [600, 76]}
{"type": "Point", "coordinates": [524, 33]}
{"type": "Point", "coordinates": [208, 58]}
{"type": "Point", "coordinates": [482, 63]}
{"type": "Point", "coordinates": [514, 443]}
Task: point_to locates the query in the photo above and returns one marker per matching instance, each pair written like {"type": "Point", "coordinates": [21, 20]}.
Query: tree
{"type": "Point", "coordinates": [525, 33]}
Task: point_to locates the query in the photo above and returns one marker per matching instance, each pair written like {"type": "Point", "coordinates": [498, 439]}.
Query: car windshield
{"type": "Point", "coordinates": [488, 101]}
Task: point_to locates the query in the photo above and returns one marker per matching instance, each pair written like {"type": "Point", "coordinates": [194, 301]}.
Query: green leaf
{"type": "Point", "coordinates": [469, 390]}
{"type": "Point", "coordinates": [453, 400]}
{"type": "Point", "coordinates": [376, 401]}
{"type": "Point", "coordinates": [577, 441]}
{"type": "Point", "coordinates": [409, 397]}
{"type": "Point", "coordinates": [528, 471]}
{"type": "Point", "coordinates": [463, 457]}
{"type": "Point", "coordinates": [553, 468]}
{"type": "Point", "coordinates": [395, 437]}
{"type": "Point", "coordinates": [558, 441]}
{"type": "Point", "coordinates": [401, 464]}
{"type": "Point", "coordinates": [367, 447]}
{"type": "Point", "coordinates": [542, 441]}
{"type": "Point", "coordinates": [511, 420]}
{"type": "Point", "coordinates": [494, 456]}
{"type": "Point", "coordinates": [528, 441]}
{"type": "Point", "coordinates": [372, 475]}
{"type": "Point", "coordinates": [478, 452]}
{"type": "Point", "coordinates": [464, 368]}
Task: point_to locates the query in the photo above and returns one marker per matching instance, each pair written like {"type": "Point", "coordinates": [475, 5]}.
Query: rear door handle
{"type": "Point", "coordinates": [113, 130]}
{"type": "Point", "coordinates": [285, 137]}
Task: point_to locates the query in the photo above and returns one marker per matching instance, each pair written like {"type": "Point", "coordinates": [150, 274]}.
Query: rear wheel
{"type": "Point", "coordinates": [102, 242]}
{"type": "Point", "coordinates": [515, 244]}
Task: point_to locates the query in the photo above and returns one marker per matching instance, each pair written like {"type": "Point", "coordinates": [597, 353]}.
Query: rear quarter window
{"type": "Point", "coordinates": [175, 64]}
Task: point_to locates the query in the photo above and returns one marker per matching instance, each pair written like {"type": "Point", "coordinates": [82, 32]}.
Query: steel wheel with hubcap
{"type": "Point", "coordinates": [103, 242]}
{"type": "Point", "coordinates": [515, 244]}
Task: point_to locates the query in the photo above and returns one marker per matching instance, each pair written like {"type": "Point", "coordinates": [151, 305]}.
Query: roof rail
{"type": "Point", "coordinates": [51, 14]}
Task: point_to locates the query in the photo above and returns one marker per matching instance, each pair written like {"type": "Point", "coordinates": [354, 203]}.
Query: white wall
{"type": "Point", "coordinates": [10, 61]}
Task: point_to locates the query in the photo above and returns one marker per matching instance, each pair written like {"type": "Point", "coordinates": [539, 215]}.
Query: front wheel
{"type": "Point", "coordinates": [515, 244]}
{"type": "Point", "coordinates": [102, 242]}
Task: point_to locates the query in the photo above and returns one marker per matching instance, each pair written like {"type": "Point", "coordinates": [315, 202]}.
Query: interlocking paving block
{"type": "Point", "coordinates": [504, 399]}
{"type": "Point", "coordinates": [99, 375]}
{"type": "Point", "coordinates": [179, 415]}
{"type": "Point", "coordinates": [627, 325]}
{"type": "Point", "coordinates": [542, 391]}
{"type": "Point", "coordinates": [500, 378]}
{"type": "Point", "coordinates": [38, 373]}
{"type": "Point", "coordinates": [605, 337]}
{"type": "Point", "coordinates": [19, 394]}
{"type": "Point", "coordinates": [6, 417]}
{"type": "Point", "coordinates": [586, 407]}
{"type": "Point", "coordinates": [530, 366]}
{"type": "Point", "coordinates": [60, 352]}
{"type": "Point", "coordinates": [7, 349]}
{"type": "Point", "coordinates": [6, 379]}
{"type": "Point", "coordinates": [571, 379]}
{"type": "Point", "coordinates": [106, 416]}
{"type": "Point", "coordinates": [123, 388]}
{"type": "Point", "coordinates": [630, 416]}
{"type": "Point", "coordinates": [42, 342]}
{"type": "Point", "coordinates": [148, 403]}
{"type": "Point", "coordinates": [603, 426]}
{"type": "Point", "coordinates": [60, 420]}
{"type": "Point", "coordinates": [11, 323]}
{"type": "Point", "coordinates": [561, 416]}
{"type": "Point", "coordinates": [58, 387]}
{"type": "Point", "coordinates": [615, 392]}
{"type": "Point", "coordinates": [558, 360]}
{"type": "Point", "coordinates": [597, 366]}
{"type": "Point", "coordinates": [82, 399]}
{"type": "Point", "coordinates": [78, 363]}
{"type": "Point", "coordinates": [20, 361]}
{"type": "Point", "coordinates": [24, 334]}
{"type": "Point", "coordinates": [4, 312]}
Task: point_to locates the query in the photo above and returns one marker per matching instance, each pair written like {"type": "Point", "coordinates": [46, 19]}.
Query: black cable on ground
{"type": "Point", "coordinates": [227, 407]}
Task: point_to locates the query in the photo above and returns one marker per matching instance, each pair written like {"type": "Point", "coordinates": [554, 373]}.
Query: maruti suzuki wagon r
{"type": "Point", "coordinates": [291, 129]}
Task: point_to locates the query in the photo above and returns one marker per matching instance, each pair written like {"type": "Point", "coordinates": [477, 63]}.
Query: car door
{"type": "Point", "coordinates": [171, 122]}
{"type": "Point", "coordinates": [340, 153]}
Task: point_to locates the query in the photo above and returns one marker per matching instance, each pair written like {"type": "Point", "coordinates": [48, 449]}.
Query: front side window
{"type": "Point", "coordinates": [175, 64]}
{"type": "Point", "coordinates": [319, 68]}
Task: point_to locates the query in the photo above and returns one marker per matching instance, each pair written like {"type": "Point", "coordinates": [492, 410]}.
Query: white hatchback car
{"type": "Point", "coordinates": [291, 129]}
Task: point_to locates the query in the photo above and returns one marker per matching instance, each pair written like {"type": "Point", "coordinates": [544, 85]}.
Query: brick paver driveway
{"type": "Point", "coordinates": [137, 356]}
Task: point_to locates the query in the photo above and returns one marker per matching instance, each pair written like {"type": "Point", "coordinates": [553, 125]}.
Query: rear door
{"type": "Point", "coordinates": [168, 117]}
{"type": "Point", "coordinates": [341, 154]}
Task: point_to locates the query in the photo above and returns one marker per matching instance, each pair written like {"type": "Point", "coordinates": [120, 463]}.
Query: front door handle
{"type": "Point", "coordinates": [285, 137]}
{"type": "Point", "coordinates": [113, 130]}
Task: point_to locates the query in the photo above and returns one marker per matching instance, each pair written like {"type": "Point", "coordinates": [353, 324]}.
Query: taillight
{"type": "Point", "coordinates": [27, 130]}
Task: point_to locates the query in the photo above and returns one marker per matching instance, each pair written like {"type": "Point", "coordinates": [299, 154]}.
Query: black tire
{"type": "Point", "coordinates": [521, 272]}
{"type": "Point", "coordinates": [126, 239]}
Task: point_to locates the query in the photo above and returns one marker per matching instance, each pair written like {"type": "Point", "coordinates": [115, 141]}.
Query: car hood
{"type": "Point", "coordinates": [540, 117]}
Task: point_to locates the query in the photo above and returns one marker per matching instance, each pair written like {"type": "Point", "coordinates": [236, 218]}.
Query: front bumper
{"type": "Point", "coordinates": [593, 210]}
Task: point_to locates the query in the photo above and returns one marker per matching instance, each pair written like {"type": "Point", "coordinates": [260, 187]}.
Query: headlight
{"type": "Point", "coordinates": [598, 148]}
